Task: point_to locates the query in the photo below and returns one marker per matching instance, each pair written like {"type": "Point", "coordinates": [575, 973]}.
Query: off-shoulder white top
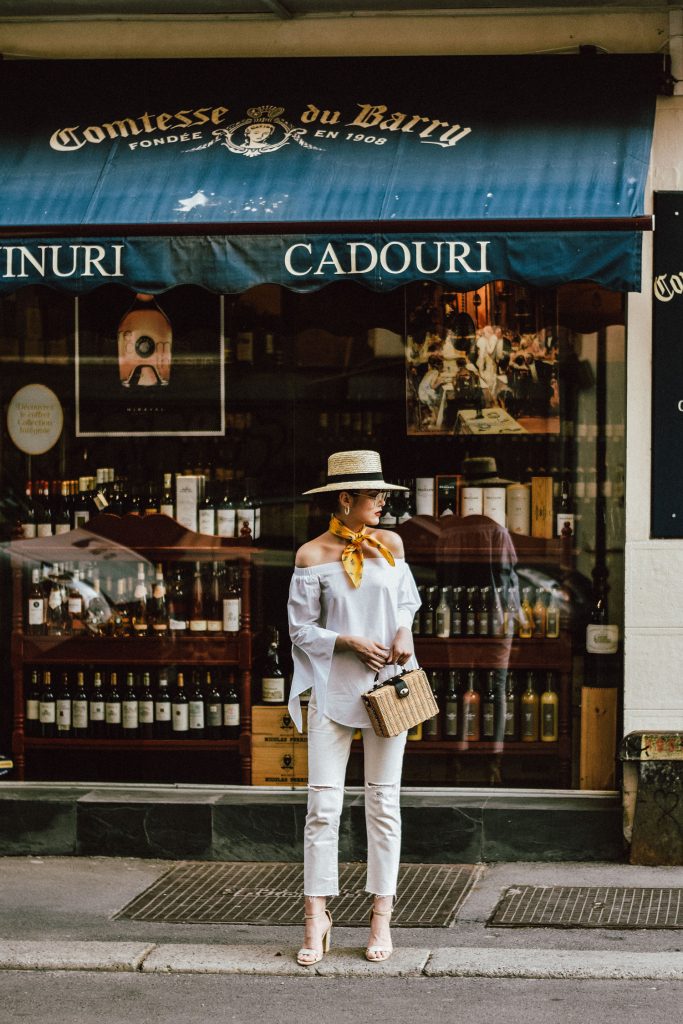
{"type": "Point", "coordinates": [323, 604]}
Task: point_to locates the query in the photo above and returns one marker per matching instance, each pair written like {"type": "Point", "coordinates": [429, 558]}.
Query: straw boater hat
{"type": "Point", "coordinates": [353, 470]}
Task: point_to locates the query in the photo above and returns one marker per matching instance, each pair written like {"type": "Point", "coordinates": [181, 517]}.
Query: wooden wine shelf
{"type": "Point", "coordinates": [41, 743]}
{"type": "Point", "coordinates": [491, 652]}
{"type": "Point", "coordinates": [75, 650]}
{"type": "Point", "coordinates": [460, 747]}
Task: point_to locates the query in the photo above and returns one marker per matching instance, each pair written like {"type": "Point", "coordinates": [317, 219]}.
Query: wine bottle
{"type": "Point", "coordinates": [430, 728]}
{"type": "Point", "coordinates": [198, 621]}
{"type": "Point", "coordinates": [47, 708]}
{"type": "Point", "coordinates": [456, 611]}
{"type": "Point", "coordinates": [272, 678]}
{"type": "Point", "coordinates": [112, 708]}
{"type": "Point", "coordinates": [471, 706]}
{"type": "Point", "coordinates": [214, 616]}
{"type": "Point", "coordinates": [167, 503]}
{"type": "Point", "coordinates": [27, 516]}
{"type": "Point", "coordinates": [442, 615]}
{"type": "Point", "coordinates": [177, 604]}
{"type": "Point", "coordinates": [35, 619]}
{"type": "Point", "coordinates": [162, 709]}
{"type": "Point", "coordinates": [526, 616]}
{"type": "Point", "coordinates": [602, 638]}
{"type": "Point", "coordinates": [471, 612]}
{"type": "Point", "coordinates": [130, 720]}
{"type": "Point", "coordinates": [452, 701]}
{"type": "Point", "coordinates": [62, 517]}
{"type": "Point", "coordinates": [231, 710]}
{"type": "Point", "coordinates": [488, 708]}
{"type": "Point", "coordinates": [550, 706]}
{"type": "Point", "coordinates": [213, 709]}
{"type": "Point", "coordinates": [159, 609]}
{"type": "Point", "coordinates": [146, 708]}
{"type": "Point", "coordinates": [231, 603]}
{"type": "Point", "coordinates": [32, 706]}
{"type": "Point", "coordinates": [96, 708]}
{"type": "Point", "coordinates": [510, 733]}
{"type": "Point", "coordinates": [79, 708]}
{"type": "Point", "coordinates": [539, 616]}
{"type": "Point", "coordinates": [63, 707]}
{"type": "Point", "coordinates": [484, 612]}
{"type": "Point", "coordinates": [57, 612]}
{"type": "Point", "coordinates": [207, 513]}
{"type": "Point", "coordinates": [139, 616]}
{"type": "Point", "coordinates": [75, 604]}
{"type": "Point", "coordinates": [180, 711]}
{"type": "Point", "coordinates": [196, 716]}
{"type": "Point", "coordinates": [529, 711]}
{"type": "Point", "coordinates": [552, 618]}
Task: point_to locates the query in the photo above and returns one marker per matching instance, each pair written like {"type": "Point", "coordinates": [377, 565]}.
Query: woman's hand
{"type": "Point", "coordinates": [371, 653]}
{"type": "Point", "coordinates": [402, 648]}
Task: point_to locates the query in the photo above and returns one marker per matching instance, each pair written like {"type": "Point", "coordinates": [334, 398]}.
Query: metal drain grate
{"type": "Point", "coordinates": [429, 895]}
{"type": "Point", "coordinates": [569, 906]}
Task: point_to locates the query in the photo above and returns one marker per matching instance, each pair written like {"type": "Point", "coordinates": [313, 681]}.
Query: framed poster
{"type": "Point", "coordinates": [483, 362]}
{"type": "Point", "coordinates": [149, 365]}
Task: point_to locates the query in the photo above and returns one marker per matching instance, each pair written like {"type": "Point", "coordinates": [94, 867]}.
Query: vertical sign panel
{"type": "Point", "coordinates": [667, 369]}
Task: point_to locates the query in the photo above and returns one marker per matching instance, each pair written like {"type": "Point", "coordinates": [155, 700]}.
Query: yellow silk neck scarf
{"type": "Point", "coordinates": [352, 555]}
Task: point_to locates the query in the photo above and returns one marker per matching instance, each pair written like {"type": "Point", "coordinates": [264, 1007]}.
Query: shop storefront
{"type": "Point", "coordinates": [213, 276]}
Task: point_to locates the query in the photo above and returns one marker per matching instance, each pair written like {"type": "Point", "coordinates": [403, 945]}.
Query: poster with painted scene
{"type": "Point", "coordinates": [482, 362]}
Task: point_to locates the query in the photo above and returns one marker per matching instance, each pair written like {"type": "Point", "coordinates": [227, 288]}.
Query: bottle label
{"type": "Point", "coordinates": [112, 713]}
{"type": "Point", "coordinates": [179, 624]}
{"type": "Point", "coordinates": [61, 528]}
{"type": "Point", "coordinates": [44, 530]}
{"type": "Point", "coordinates": [96, 710]}
{"type": "Point", "coordinates": [28, 531]}
{"type": "Point", "coordinates": [140, 593]}
{"type": "Point", "coordinates": [130, 714]}
{"type": "Point", "coordinates": [246, 523]}
{"type": "Point", "coordinates": [451, 719]}
{"type": "Point", "coordinates": [162, 710]}
{"type": "Point", "coordinates": [159, 591]}
{"type": "Point", "coordinates": [226, 522]}
{"type": "Point", "coordinates": [443, 622]}
{"type": "Point", "coordinates": [231, 714]}
{"type": "Point", "coordinates": [146, 712]}
{"type": "Point", "coordinates": [548, 720]}
{"type": "Point", "coordinates": [273, 690]}
{"type": "Point", "coordinates": [36, 611]}
{"type": "Point", "coordinates": [64, 714]}
{"type": "Point", "coordinates": [75, 606]}
{"type": "Point", "coordinates": [79, 714]}
{"type": "Point", "coordinates": [565, 519]}
{"type": "Point", "coordinates": [198, 625]}
{"type": "Point", "coordinates": [181, 718]}
{"type": "Point", "coordinates": [213, 716]}
{"type": "Point", "coordinates": [47, 713]}
{"type": "Point", "coordinates": [196, 714]}
{"type": "Point", "coordinates": [487, 727]}
{"type": "Point", "coordinates": [33, 710]}
{"type": "Point", "coordinates": [602, 639]}
{"type": "Point", "coordinates": [207, 521]}
{"type": "Point", "coordinates": [231, 615]}
{"type": "Point", "coordinates": [528, 724]}
{"type": "Point", "coordinates": [55, 598]}
{"type": "Point", "coordinates": [166, 510]}
{"type": "Point", "coordinates": [214, 625]}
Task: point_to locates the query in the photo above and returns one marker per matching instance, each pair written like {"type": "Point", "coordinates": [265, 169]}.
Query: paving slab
{"type": "Point", "coordinates": [72, 956]}
{"type": "Point", "coordinates": [596, 965]}
{"type": "Point", "coordinates": [183, 958]}
{"type": "Point", "coordinates": [405, 962]}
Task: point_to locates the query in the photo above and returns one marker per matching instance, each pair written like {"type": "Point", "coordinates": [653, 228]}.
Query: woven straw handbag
{"type": "Point", "coordinates": [400, 703]}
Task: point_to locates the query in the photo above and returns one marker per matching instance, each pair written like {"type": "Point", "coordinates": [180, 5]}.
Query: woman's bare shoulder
{"type": "Point", "coordinates": [390, 540]}
{"type": "Point", "coordinates": [315, 552]}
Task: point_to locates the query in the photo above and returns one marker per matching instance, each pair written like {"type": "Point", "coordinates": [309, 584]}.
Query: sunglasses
{"type": "Point", "coordinates": [375, 496]}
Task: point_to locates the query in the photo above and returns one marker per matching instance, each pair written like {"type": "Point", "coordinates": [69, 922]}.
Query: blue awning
{"type": "Point", "coordinates": [303, 262]}
{"type": "Point", "coordinates": [224, 145]}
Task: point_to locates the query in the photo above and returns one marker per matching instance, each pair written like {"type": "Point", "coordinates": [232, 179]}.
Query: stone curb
{"type": "Point", "coordinates": [407, 961]}
{"type": "Point", "coordinates": [72, 956]}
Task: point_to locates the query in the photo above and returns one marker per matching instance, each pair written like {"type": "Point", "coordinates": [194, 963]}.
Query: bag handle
{"type": "Point", "coordinates": [398, 683]}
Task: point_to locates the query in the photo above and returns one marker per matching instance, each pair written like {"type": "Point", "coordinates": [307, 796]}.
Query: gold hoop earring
{"type": "Point", "coordinates": [346, 510]}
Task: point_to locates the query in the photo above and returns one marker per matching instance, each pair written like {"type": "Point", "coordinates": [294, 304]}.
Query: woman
{"type": "Point", "coordinates": [352, 602]}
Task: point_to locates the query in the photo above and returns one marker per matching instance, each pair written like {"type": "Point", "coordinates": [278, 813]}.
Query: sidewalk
{"type": "Point", "coordinates": [56, 914]}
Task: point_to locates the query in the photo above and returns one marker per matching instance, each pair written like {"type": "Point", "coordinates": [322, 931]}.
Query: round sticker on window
{"type": "Point", "coordinates": [35, 419]}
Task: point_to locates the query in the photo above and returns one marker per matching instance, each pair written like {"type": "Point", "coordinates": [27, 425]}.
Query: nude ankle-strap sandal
{"type": "Point", "coordinates": [318, 954]}
{"type": "Point", "coordinates": [382, 953]}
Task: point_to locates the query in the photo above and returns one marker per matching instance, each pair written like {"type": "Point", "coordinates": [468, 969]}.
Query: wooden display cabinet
{"type": "Point", "coordinates": [438, 544]}
{"type": "Point", "coordinates": [155, 538]}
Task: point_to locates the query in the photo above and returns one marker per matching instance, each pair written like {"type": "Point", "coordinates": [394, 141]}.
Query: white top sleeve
{"type": "Point", "coordinates": [312, 644]}
{"type": "Point", "coordinates": [323, 604]}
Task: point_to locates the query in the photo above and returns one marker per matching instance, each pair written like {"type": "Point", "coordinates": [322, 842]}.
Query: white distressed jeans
{"type": "Point", "coordinates": [329, 745]}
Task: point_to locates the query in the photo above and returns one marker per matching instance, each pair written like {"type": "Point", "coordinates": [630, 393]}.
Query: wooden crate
{"type": "Point", "coordinates": [279, 760]}
{"type": "Point", "coordinates": [274, 720]}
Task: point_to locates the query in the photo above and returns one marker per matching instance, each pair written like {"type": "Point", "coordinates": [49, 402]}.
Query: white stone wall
{"type": "Point", "coordinates": [653, 696]}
